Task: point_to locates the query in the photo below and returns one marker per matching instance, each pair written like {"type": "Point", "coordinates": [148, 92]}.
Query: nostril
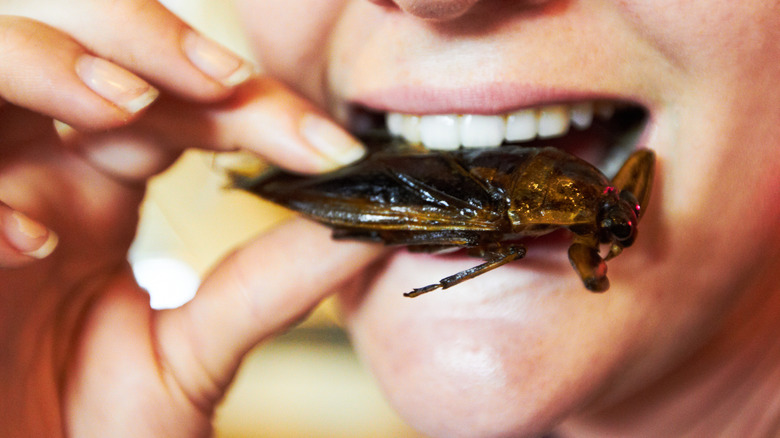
{"type": "Point", "coordinates": [384, 3]}
{"type": "Point", "coordinates": [438, 10]}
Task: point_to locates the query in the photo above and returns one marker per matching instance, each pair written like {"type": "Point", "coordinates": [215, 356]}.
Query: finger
{"type": "Point", "coordinates": [264, 117]}
{"type": "Point", "coordinates": [255, 293]}
{"type": "Point", "coordinates": [23, 239]}
{"type": "Point", "coordinates": [146, 38]}
{"type": "Point", "coordinates": [128, 155]}
{"type": "Point", "coordinates": [45, 71]}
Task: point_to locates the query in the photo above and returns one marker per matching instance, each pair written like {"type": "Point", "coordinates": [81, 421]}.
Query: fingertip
{"type": "Point", "coordinates": [264, 118]}
{"type": "Point", "coordinates": [336, 146]}
{"type": "Point", "coordinates": [115, 84]}
{"type": "Point", "coordinates": [215, 61]}
{"type": "Point", "coordinates": [69, 84]}
{"type": "Point", "coordinates": [24, 239]}
{"type": "Point", "coordinates": [29, 237]}
{"type": "Point", "coordinates": [267, 118]}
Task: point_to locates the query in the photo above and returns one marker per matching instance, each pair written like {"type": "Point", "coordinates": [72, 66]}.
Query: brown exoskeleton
{"type": "Point", "coordinates": [483, 200]}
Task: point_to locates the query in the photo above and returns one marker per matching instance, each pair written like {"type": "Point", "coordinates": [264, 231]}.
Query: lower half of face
{"type": "Point", "coordinates": [523, 347]}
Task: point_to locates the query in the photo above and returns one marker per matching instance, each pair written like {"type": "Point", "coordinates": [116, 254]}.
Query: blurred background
{"type": "Point", "coordinates": [307, 382]}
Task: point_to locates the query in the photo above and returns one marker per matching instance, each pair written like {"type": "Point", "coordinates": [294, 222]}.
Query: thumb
{"type": "Point", "coordinates": [255, 293]}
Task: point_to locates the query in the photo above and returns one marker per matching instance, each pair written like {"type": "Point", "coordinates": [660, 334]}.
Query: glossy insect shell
{"type": "Point", "coordinates": [547, 189]}
{"type": "Point", "coordinates": [502, 192]}
{"type": "Point", "coordinates": [480, 199]}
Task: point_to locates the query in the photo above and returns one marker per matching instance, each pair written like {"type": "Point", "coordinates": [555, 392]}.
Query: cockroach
{"type": "Point", "coordinates": [482, 199]}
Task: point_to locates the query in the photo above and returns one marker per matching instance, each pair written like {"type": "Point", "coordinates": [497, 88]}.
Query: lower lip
{"type": "Point", "coordinates": [544, 265]}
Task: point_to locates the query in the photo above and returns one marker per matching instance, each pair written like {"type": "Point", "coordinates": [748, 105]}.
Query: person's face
{"type": "Point", "coordinates": [526, 346]}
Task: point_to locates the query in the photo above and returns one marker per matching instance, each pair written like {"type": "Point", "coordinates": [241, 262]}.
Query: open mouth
{"type": "Point", "coordinates": [431, 202]}
{"type": "Point", "coordinates": [602, 132]}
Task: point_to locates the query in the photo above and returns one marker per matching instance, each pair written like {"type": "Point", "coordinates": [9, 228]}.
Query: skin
{"type": "Point", "coordinates": [683, 343]}
{"type": "Point", "coordinates": [525, 349]}
{"type": "Point", "coordinates": [83, 352]}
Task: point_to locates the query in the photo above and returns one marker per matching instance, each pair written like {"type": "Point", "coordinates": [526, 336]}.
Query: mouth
{"type": "Point", "coordinates": [602, 132]}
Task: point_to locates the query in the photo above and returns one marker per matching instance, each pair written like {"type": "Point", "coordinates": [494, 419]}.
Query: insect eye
{"type": "Point", "coordinates": [632, 202]}
{"type": "Point", "coordinates": [621, 230]}
{"type": "Point", "coordinates": [618, 225]}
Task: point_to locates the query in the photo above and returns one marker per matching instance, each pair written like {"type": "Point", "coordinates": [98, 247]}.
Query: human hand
{"type": "Point", "coordinates": [84, 353]}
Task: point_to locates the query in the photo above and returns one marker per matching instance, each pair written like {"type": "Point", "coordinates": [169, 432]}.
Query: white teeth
{"type": "Point", "coordinates": [410, 129]}
{"type": "Point", "coordinates": [553, 121]}
{"type": "Point", "coordinates": [482, 131]}
{"type": "Point", "coordinates": [451, 131]}
{"type": "Point", "coordinates": [522, 125]}
{"type": "Point", "coordinates": [440, 132]}
{"type": "Point", "coordinates": [394, 123]}
{"type": "Point", "coordinates": [582, 115]}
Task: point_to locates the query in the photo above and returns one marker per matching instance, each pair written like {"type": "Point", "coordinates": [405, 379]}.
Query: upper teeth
{"type": "Point", "coordinates": [451, 131]}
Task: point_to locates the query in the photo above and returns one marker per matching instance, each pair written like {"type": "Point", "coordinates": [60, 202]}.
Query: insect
{"type": "Point", "coordinates": [483, 200]}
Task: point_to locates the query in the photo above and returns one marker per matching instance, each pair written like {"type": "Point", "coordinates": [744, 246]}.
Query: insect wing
{"type": "Point", "coordinates": [389, 192]}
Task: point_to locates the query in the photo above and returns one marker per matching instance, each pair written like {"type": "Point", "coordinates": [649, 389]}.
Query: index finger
{"type": "Point", "coordinates": [144, 37]}
{"type": "Point", "coordinates": [264, 117]}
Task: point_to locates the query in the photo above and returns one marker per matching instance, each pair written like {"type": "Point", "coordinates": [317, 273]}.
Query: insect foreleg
{"type": "Point", "coordinates": [636, 177]}
{"type": "Point", "coordinates": [499, 257]}
{"type": "Point", "coordinates": [590, 266]}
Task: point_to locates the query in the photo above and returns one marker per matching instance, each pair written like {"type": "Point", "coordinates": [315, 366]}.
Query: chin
{"type": "Point", "coordinates": [512, 353]}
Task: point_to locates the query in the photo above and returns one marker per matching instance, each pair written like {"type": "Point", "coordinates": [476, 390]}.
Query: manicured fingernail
{"type": "Point", "coordinates": [30, 237]}
{"type": "Point", "coordinates": [115, 84]}
{"type": "Point", "coordinates": [216, 61]}
{"type": "Point", "coordinates": [330, 140]}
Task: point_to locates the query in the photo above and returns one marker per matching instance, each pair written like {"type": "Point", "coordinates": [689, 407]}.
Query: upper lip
{"type": "Point", "coordinates": [488, 99]}
{"type": "Point", "coordinates": [604, 148]}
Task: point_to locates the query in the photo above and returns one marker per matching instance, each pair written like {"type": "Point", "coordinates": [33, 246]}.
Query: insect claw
{"type": "Point", "coordinates": [423, 290]}
{"type": "Point", "coordinates": [596, 284]}
{"type": "Point", "coordinates": [590, 267]}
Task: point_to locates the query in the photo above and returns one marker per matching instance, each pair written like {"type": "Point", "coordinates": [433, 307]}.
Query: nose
{"type": "Point", "coordinates": [437, 10]}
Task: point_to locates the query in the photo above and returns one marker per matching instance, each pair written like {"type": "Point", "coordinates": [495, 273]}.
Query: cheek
{"type": "Point", "coordinates": [717, 203]}
{"type": "Point", "coordinates": [706, 36]}
{"type": "Point", "coordinates": [289, 39]}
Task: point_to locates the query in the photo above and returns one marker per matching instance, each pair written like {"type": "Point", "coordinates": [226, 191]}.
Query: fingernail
{"type": "Point", "coordinates": [331, 140]}
{"type": "Point", "coordinates": [216, 61]}
{"type": "Point", "coordinates": [30, 237]}
{"type": "Point", "coordinates": [115, 84]}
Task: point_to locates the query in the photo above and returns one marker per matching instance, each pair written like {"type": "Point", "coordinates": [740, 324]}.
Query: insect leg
{"type": "Point", "coordinates": [431, 249]}
{"type": "Point", "coordinates": [357, 234]}
{"type": "Point", "coordinates": [501, 256]}
{"type": "Point", "coordinates": [614, 251]}
{"type": "Point", "coordinates": [636, 177]}
{"type": "Point", "coordinates": [590, 266]}
{"type": "Point", "coordinates": [432, 241]}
